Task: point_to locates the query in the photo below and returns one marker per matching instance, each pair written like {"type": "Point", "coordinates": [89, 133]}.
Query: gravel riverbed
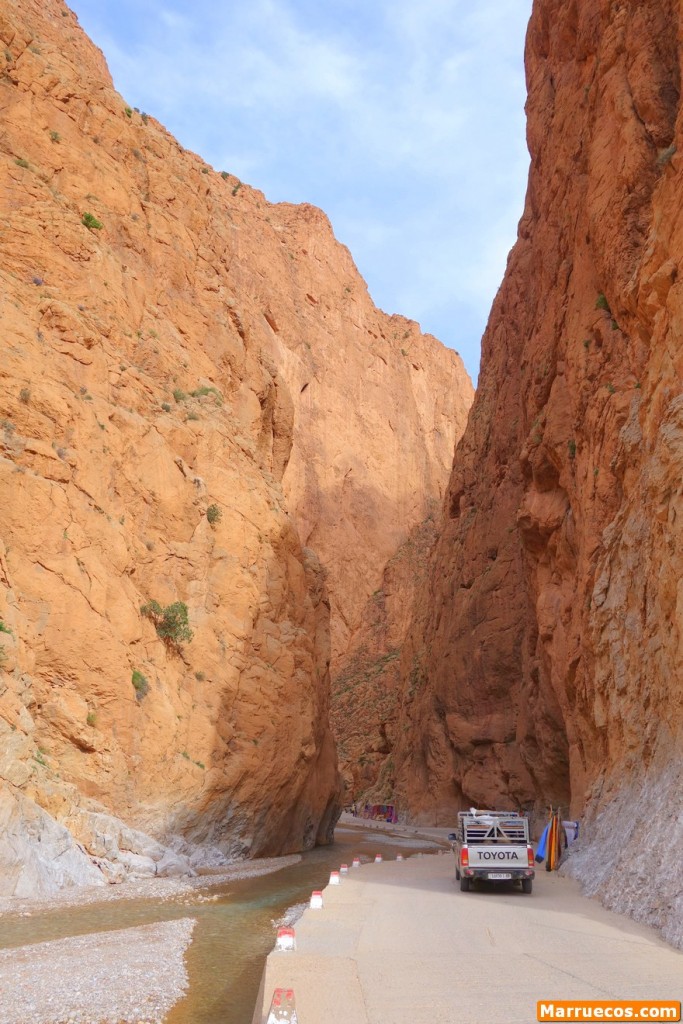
{"type": "Point", "coordinates": [122, 976]}
{"type": "Point", "coordinates": [128, 976]}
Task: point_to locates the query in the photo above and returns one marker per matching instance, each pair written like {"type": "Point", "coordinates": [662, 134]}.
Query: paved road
{"type": "Point", "coordinates": [398, 943]}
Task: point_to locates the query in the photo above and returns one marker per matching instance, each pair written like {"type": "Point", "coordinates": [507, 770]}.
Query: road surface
{"type": "Point", "coordinates": [398, 943]}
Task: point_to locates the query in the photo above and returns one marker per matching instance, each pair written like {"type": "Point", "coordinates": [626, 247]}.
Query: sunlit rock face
{"type": "Point", "coordinates": [202, 407]}
{"type": "Point", "coordinates": [545, 661]}
{"type": "Point", "coordinates": [145, 431]}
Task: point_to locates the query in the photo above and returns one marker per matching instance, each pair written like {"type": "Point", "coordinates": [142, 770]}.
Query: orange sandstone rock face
{"type": "Point", "coordinates": [197, 395]}
{"type": "Point", "coordinates": [367, 687]}
{"type": "Point", "coordinates": [545, 661]}
{"type": "Point", "coordinates": [137, 395]}
{"type": "Point", "coordinates": [378, 408]}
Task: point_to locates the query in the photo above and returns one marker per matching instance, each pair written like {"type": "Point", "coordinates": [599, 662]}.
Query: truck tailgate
{"type": "Point", "coordinates": [497, 858]}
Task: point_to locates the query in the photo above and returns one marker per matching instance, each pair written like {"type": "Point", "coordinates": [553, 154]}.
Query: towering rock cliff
{"type": "Point", "coordinates": [189, 374]}
{"type": "Point", "coordinates": [378, 409]}
{"type": "Point", "coordinates": [546, 658]}
{"type": "Point", "coordinates": [145, 433]}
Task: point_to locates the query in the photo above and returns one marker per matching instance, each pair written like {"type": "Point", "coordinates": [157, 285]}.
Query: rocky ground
{"type": "Point", "coordinates": [129, 976]}
{"type": "Point", "coordinates": [152, 888]}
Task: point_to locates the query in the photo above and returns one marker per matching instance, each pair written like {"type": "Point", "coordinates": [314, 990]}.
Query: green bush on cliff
{"type": "Point", "coordinates": [171, 623]}
{"type": "Point", "coordinates": [140, 685]}
{"type": "Point", "coordinates": [214, 514]}
{"type": "Point", "coordinates": [3, 653]}
{"type": "Point", "coordinates": [91, 221]}
{"type": "Point", "coordinates": [666, 155]}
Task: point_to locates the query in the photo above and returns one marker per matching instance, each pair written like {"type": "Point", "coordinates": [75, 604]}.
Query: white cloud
{"type": "Point", "coordinates": [404, 121]}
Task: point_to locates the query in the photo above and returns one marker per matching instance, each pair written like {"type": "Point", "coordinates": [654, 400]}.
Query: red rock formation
{"type": "Point", "coordinates": [144, 436]}
{"type": "Point", "coordinates": [378, 409]}
{"type": "Point", "coordinates": [545, 664]}
{"type": "Point", "coordinates": [196, 390]}
{"type": "Point", "coordinates": [367, 687]}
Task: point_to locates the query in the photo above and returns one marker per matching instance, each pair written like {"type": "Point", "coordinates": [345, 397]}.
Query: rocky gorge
{"type": "Point", "coordinates": [230, 511]}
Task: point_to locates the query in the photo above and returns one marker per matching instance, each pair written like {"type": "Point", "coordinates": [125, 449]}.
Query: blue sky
{"type": "Point", "coordinates": [402, 120]}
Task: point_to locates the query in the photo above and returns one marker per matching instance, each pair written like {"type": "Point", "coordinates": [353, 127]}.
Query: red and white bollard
{"type": "Point", "coordinates": [286, 939]}
{"type": "Point", "coordinates": [400, 857]}
{"type": "Point", "coordinates": [316, 900]}
{"type": "Point", "coordinates": [282, 1007]}
{"type": "Point", "coordinates": [334, 878]}
{"type": "Point", "coordinates": [355, 862]}
{"type": "Point", "coordinates": [378, 858]}
{"type": "Point", "coordinates": [344, 869]}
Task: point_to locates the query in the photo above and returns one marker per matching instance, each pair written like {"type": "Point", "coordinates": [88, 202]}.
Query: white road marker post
{"type": "Point", "coordinates": [283, 1007]}
{"type": "Point", "coordinates": [286, 939]}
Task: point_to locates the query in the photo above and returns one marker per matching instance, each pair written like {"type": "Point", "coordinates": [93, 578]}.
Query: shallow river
{"type": "Point", "coordinates": [234, 933]}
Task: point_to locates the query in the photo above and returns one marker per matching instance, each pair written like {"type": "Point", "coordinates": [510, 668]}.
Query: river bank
{"type": "Point", "coordinates": [144, 888]}
{"type": "Point", "coordinates": [122, 976]}
{"type": "Point", "coordinates": [128, 976]}
{"type": "Point", "coordinates": [236, 913]}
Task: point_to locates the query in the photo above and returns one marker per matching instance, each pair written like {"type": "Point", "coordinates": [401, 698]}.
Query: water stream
{"type": "Point", "coordinates": [234, 933]}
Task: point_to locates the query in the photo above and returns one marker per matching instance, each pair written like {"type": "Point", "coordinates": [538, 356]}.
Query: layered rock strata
{"type": "Point", "coordinates": [545, 664]}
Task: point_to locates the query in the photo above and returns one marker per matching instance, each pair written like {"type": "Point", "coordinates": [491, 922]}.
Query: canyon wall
{"type": "Point", "coordinates": [378, 410]}
{"type": "Point", "coordinates": [145, 432]}
{"type": "Point", "coordinates": [546, 656]}
{"type": "Point", "coordinates": [202, 410]}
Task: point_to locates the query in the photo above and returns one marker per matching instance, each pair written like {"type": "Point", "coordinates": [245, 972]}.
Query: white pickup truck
{"type": "Point", "coordinates": [493, 845]}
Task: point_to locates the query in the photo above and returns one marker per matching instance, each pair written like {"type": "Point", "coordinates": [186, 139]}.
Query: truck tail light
{"type": "Point", "coordinates": [530, 855]}
{"type": "Point", "coordinates": [464, 857]}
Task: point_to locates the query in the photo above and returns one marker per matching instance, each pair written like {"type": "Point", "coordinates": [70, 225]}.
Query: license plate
{"type": "Point", "coordinates": [498, 876]}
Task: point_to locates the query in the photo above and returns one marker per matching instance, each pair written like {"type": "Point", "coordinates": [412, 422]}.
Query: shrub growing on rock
{"type": "Point", "coordinates": [140, 685]}
{"type": "Point", "coordinates": [171, 623]}
{"type": "Point", "coordinates": [214, 514]}
{"type": "Point", "coordinates": [91, 221]}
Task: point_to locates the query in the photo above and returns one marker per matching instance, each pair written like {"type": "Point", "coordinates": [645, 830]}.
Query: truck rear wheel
{"type": "Point", "coordinates": [527, 884]}
{"type": "Point", "coordinates": [464, 884]}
